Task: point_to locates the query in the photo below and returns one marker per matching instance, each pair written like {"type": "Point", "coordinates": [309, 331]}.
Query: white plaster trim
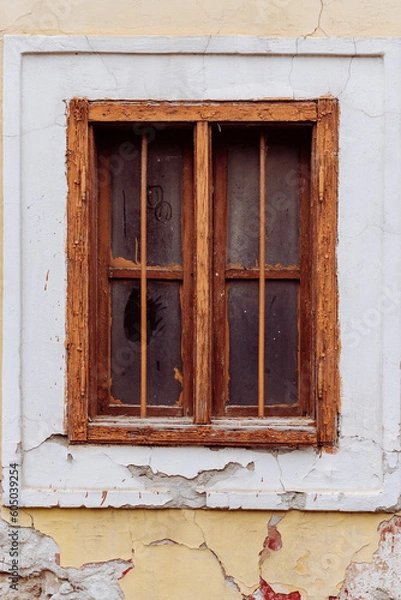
{"type": "Point", "coordinates": [365, 473]}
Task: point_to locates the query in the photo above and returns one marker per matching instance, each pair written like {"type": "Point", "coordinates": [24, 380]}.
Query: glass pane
{"type": "Point", "coordinates": [243, 319]}
{"type": "Point", "coordinates": [281, 339]}
{"type": "Point", "coordinates": [125, 342]}
{"type": "Point", "coordinates": [281, 342]}
{"type": "Point", "coordinates": [282, 205]}
{"type": "Point", "coordinates": [164, 363]}
{"type": "Point", "coordinates": [243, 203]}
{"type": "Point", "coordinates": [125, 169]}
{"type": "Point", "coordinates": [164, 196]}
{"type": "Point", "coordinates": [164, 343]}
{"type": "Point", "coordinates": [165, 162]}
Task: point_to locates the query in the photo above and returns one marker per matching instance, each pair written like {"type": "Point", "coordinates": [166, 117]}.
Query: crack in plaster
{"type": "Point", "coordinates": [349, 72]}
{"type": "Point", "coordinates": [271, 543]}
{"type": "Point", "coordinates": [276, 456]}
{"type": "Point", "coordinates": [100, 56]}
{"type": "Point", "coordinates": [228, 579]}
{"type": "Point", "coordinates": [24, 512]}
{"type": "Point", "coordinates": [185, 490]}
{"type": "Point", "coordinates": [58, 438]}
{"type": "Point", "coordinates": [41, 576]}
{"type": "Point", "coordinates": [319, 20]}
{"type": "Point", "coordinates": [291, 70]}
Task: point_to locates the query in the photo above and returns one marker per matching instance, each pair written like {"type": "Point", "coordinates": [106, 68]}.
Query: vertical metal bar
{"type": "Point", "coordinates": [144, 168]}
{"type": "Point", "coordinates": [262, 263]}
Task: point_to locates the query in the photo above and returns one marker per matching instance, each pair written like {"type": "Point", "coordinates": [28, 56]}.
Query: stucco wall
{"type": "Point", "coordinates": [334, 18]}
{"type": "Point", "coordinates": [193, 554]}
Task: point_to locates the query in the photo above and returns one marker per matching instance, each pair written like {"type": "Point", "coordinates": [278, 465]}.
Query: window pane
{"type": "Point", "coordinates": [164, 197]}
{"type": "Point", "coordinates": [125, 342]}
{"type": "Point", "coordinates": [165, 163]}
{"type": "Point", "coordinates": [243, 203]}
{"type": "Point", "coordinates": [243, 319]}
{"type": "Point", "coordinates": [281, 339]}
{"type": "Point", "coordinates": [125, 170]}
{"type": "Point", "coordinates": [281, 342]}
{"type": "Point", "coordinates": [282, 205]}
{"type": "Point", "coordinates": [163, 342]}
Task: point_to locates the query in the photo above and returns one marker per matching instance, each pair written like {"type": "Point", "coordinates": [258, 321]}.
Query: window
{"type": "Point", "coordinates": [202, 299]}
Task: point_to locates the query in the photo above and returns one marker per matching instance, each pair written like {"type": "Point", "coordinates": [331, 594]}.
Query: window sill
{"type": "Point", "coordinates": [221, 432]}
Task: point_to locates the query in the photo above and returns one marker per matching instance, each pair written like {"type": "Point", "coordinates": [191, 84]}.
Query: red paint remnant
{"type": "Point", "coordinates": [104, 496]}
{"type": "Point", "coordinates": [123, 574]}
{"type": "Point", "coordinates": [389, 527]}
{"type": "Point", "coordinates": [57, 558]}
{"type": "Point", "coordinates": [265, 592]}
{"type": "Point", "coordinates": [273, 540]}
{"type": "Point", "coordinates": [272, 543]}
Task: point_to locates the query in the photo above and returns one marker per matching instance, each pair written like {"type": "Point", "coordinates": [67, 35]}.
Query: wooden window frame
{"type": "Point", "coordinates": [85, 424]}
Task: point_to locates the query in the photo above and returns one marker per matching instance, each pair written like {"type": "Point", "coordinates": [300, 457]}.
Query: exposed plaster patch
{"type": "Point", "coordinates": [380, 579]}
{"type": "Point", "coordinates": [41, 576]}
{"type": "Point", "coordinates": [293, 500]}
{"type": "Point", "coordinates": [186, 491]}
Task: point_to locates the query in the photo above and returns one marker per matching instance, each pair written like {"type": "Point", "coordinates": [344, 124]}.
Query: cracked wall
{"type": "Point", "coordinates": [203, 555]}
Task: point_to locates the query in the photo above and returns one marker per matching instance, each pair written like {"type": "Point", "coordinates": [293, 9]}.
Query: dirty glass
{"type": "Point", "coordinates": [281, 342]}
{"type": "Point", "coordinates": [164, 196]}
{"type": "Point", "coordinates": [163, 332]}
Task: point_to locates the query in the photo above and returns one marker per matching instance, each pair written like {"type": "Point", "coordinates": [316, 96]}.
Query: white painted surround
{"type": "Point", "coordinates": [41, 75]}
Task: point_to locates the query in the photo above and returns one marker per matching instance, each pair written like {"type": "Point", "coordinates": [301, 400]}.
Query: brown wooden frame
{"type": "Point", "coordinates": [90, 417]}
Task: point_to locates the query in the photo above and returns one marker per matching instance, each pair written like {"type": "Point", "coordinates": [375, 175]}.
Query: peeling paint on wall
{"type": "Point", "coordinates": [380, 579]}
{"type": "Point", "coordinates": [265, 592]}
{"type": "Point", "coordinates": [186, 491]}
{"type": "Point", "coordinates": [204, 555]}
{"type": "Point", "coordinates": [41, 576]}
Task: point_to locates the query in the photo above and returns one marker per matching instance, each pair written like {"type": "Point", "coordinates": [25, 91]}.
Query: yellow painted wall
{"type": "Point", "coordinates": [201, 17]}
{"type": "Point", "coordinates": [181, 554]}
{"type": "Point", "coordinates": [188, 554]}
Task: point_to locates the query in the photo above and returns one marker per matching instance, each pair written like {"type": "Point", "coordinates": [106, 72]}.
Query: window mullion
{"type": "Point", "coordinates": [144, 168]}
{"type": "Point", "coordinates": [203, 263]}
